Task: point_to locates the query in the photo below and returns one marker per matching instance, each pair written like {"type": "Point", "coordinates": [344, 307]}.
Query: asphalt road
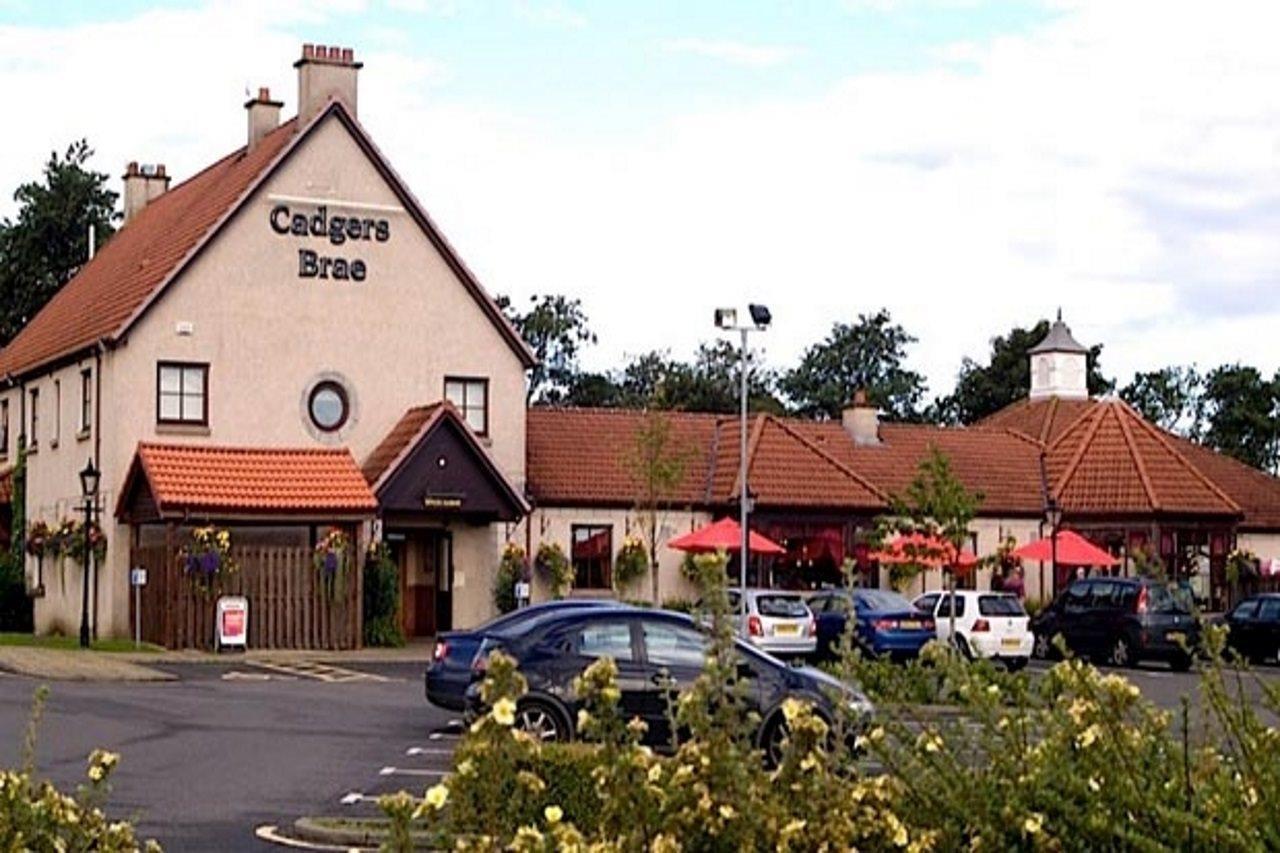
{"type": "Point", "coordinates": [228, 748]}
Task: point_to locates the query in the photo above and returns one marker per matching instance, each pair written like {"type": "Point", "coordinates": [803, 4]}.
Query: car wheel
{"type": "Point", "coordinates": [1015, 664]}
{"type": "Point", "coordinates": [1121, 654]}
{"type": "Point", "coordinates": [773, 741]}
{"type": "Point", "coordinates": [1180, 663]}
{"type": "Point", "coordinates": [541, 721]}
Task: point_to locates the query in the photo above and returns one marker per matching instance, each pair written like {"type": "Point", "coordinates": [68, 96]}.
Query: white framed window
{"type": "Point", "coordinates": [470, 396]}
{"type": "Point", "coordinates": [182, 393]}
{"type": "Point", "coordinates": [86, 400]}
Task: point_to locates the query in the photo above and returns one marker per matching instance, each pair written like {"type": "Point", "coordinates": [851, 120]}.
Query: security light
{"type": "Point", "coordinates": [726, 318]}
{"type": "Point", "coordinates": [760, 316]}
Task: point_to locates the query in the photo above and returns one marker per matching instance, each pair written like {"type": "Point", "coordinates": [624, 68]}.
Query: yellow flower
{"type": "Point", "coordinates": [437, 796]}
{"type": "Point", "coordinates": [929, 741]}
{"type": "Point", "coordinates": [727, 812]}
{"type": "Point", "coordinates": [465, 767]}
{"type": "Point", "coordinates": [1094, 784]}
{"type": "Point", "coordinates": [504, 712]}
{"type": "Point", "coordinates": [795, 827]}
{"type": "Point", "coordinates": [584, 718]}
{"type": "Point", "coordinates": [1033, 824]}
{"type": "Point", "coordinates": [655, 773]}
{"type": "Point", "coordinates": [993, 690]}
{"type": "Point", "coordinates": [1087, 737]}
{"type": "Point", "coordinates": [792, 708]}
{"type": "Point", "coordinates": [96, 773]}
{"type": "Point", "coordinates": [553, 814]}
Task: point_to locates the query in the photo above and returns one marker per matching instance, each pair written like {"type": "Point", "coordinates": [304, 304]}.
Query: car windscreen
{"type": "Point", "coordinates": [1160, 599]}
{"type": "Point", "coordinates": [878, 599]}
{"type": "Point", "coordinates": [782, 606]}
{"type": "Point", "coordinates": [1000, 605]}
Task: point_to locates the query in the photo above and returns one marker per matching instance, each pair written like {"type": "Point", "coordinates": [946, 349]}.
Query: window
{"type": "Point", "coordinates": [927, 603]}
{"type": "Point", "coordinates": [471, 398]}
{"type": "Point", "coordinates": [86, 400]}
{"type": "Point", "coordinates": [329, 406]}
{"type": "Point", "coordinates": [669, 645]}
{"type": "Point", "coordinates": [1246, 610]}
{"type": "Point", "coordinates": [57, 412]}
{"type": "Point", "coordinates": [33, 434]}
{"type": "Point", "coordinates": [944, 606]}
{"type": "Point", "coordinates": [1270, 610]}
{"type": "Point", "coordinates": [182, 392]}
{"type": "Point", "coordinates": [606, 640]}
{"type": "Point", "coordinates": [4, 427]}
{"type": "Point", "coordinates": [781, 606]}
{"type": "Point", "coordinates": [592, 556]}
{"type": "Point", "coordinates": [1000, 605]}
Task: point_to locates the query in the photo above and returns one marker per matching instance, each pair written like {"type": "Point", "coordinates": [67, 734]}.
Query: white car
{"type": "Point", "coordinates": [988, 624]}
{"type": "Point", "coordinates": [777, 622]}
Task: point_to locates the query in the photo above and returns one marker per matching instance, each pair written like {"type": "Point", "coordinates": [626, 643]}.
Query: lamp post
{"type": "Point", "coordinates": [1053, 514]}
{"type": "Point", "coordinates": [89, 489]}
{"type": "Point", "coordinates": [727, 320]}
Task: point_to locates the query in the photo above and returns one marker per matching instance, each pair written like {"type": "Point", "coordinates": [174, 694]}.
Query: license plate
{"type": "Point", "coordinates": [1010, 642]}
{"type": "Point", "coordinates": [910, 624]}
{"type": "Point", "coordinates": [786, 630]}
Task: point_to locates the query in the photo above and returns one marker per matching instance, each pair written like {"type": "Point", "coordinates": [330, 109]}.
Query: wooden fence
{"type": "Point", "coordinates": [290, 606]}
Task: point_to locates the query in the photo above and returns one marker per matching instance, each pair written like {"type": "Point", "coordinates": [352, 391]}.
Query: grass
{"type": "Point", "coordinates": [56, 641]}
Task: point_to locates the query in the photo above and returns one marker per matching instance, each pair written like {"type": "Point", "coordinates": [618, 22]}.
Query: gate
{"type": "Point", "coordinates": [290, 607]}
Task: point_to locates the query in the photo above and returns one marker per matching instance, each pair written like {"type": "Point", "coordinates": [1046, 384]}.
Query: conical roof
{"type": "Point", "coordinates": [1059, 339]}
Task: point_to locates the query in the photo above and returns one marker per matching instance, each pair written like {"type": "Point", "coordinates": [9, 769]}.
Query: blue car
{"type": "Point", "coordinates": [887, 624]}
{"type": "Point", "coordinates": [451, 669]}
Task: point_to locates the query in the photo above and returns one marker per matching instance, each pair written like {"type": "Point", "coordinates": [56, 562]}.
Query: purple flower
{"type": "Point", "coordinates": [209, 562]}
{"type": "Point", "coordinates": [193, 564]}
{"type": "Point", "coordinates": [330, 563]}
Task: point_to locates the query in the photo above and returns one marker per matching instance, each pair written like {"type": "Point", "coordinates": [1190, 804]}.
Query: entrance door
{"type": "Point", "coordinates": [426, 582]}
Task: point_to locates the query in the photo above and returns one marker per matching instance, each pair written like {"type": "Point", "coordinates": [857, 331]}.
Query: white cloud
{"type": "Point", "coordinates": [551, 13]}
{"type": "Point", "coordinates": [1122, 161]}
{"type": "Point", "coordinates": [726, 50]}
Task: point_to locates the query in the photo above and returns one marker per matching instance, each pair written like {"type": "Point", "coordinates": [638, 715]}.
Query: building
{"type": "Point", "coordinates": [285, 345]}
{"type": "Point", "coordinates": [818, 486]}
{"type": "Point", "coordinates": [281, 343]}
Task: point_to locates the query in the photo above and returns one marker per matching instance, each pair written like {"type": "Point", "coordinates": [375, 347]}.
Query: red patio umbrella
{"type": "Point", "coordinates": [1073, 550]}
{"type": "Point", "coordinates": [724, 535]}
{"type": "Point", "coordinates": [924, 550]}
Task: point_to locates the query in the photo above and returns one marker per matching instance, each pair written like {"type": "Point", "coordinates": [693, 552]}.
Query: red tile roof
{"type": "Point", "coordinates": [1257, 493]}
{"type": "Point", "coordinates": [113, 289]}
{"type": "Point", "coordinates": [398, 441]}
{"type": "Point", "coordinates": [581, 456]}
{"type": "Point", "coordinates": [1042, 419]}
{"type": "Point", "coordinates": [235, 481]}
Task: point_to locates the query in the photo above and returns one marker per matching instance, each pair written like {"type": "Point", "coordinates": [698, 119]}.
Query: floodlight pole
{"type": "Point", "coordinates": [744, 497]}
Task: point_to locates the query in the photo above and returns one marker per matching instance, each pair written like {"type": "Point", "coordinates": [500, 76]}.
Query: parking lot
{"type": "Point", "coordinates": [210, 759]}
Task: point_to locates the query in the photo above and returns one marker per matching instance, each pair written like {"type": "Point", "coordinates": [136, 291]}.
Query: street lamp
{"type": "Point", "coordinates": [727, 320]}
{"type": "Point", "coordinates": [89, 478]}
{"type": "Point", "coordinates": [1052, 514]}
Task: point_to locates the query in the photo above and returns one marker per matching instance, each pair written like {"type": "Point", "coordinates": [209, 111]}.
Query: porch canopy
{"type": "Point", "coordinates": [921, 550]}
{"type": "Point", "coordinates": [1073, 550]}
{"type": "Point", "coordinates": [724, 535]}
{"type": "Point", "coordinates": [432, 463]}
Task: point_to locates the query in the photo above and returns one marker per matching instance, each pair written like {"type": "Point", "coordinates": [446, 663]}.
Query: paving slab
{"type": "Point", "coordinates": [76, 665]}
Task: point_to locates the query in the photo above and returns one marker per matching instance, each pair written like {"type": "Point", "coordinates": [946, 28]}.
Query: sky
{"type": "Point", "coordinates": [968, 165]}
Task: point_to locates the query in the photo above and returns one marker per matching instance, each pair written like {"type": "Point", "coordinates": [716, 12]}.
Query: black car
{"type": "Point", "coordinates": [1255, 627]}
{"type": "Point", "coordinates": [656, 652]}
{"type": "Point", "coordinates": [455, 652]}
{"type": "Point", "coordinates": [1120, 621]}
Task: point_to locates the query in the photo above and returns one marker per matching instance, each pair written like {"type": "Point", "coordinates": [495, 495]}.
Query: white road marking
{"type": "Point", "coordinates": [268, 832]}
{"type": "Point", "coordinates": [425, 750]}
{"type": "Point", "coordinates": [240, 675]}
{"type": "Point", "coordinates": [411, 771]}
{"type": "Point", "coordinates": [319, 672]}
{"type": "Point", "coordinates": [356, 797]}
{"type": "Point", "coordinates": [442, 736]}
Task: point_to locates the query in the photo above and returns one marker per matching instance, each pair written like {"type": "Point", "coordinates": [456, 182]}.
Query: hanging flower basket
{"type": "Point", "coordinates": [77, 542]}
{"type": "Point", "coordinates": [554, 567]}
{"type": "Point", "coordinates": [631, 563]}
{"type": "Point", "coordinates": [206, 559]}
{"type": "Point", "coordinates": [512, 568]}
{"type": "Point", "coordinates": [331, 558]}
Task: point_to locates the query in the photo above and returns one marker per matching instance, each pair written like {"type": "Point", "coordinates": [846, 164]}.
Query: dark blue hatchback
{"type": "Point", "coordinates": [886, 623]}
{"type": "Point", "coordinates": [455, 653]}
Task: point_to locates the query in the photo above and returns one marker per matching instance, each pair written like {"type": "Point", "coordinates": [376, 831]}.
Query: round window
{"type": "Point", "coordinates": [328, 406]}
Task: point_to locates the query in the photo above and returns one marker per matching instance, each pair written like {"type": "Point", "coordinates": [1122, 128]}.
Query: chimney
{"type": "Point", "coordinates": [264, 116]}
{"type": "Point", "coordinates": [142, 185]}
{"type": "Point", "coordinates": [861, 420]}
{"type": "Point", "coordinates": [325, 74]}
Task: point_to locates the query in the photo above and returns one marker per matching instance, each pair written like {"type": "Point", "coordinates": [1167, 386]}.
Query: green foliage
{"type": "Point", "coordinates": [983, 390]}
{"type": "Point", "coordinates": [48, 243]}
{"type": "Point", "coordinates": [630, 563]}
{"type": "Point", "coordinates": [1169, 397]}
{"type": "Point", "coordinates": [15, 605]}
{"type": "Point", "coordinates": [678, 604]}
{"type": "Point", "coordinates": [512, 568]}
{"type": "Point", "coordinates": [381, 599]}
{"type": "Point", "coordinates": [35, 815]}
{"type": "Point", "coordinates": [554, 567]}
{"type": "Point", "coordinates": [869, 354]}
{"type": "Point", "coordinates": [657, 461]}
{"type": "Point", "coordinates": [554, 327]}
{"type": "Point", "coordinates": [1240, 410]}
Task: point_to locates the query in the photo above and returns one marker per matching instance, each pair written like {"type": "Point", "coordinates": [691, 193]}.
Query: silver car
{"type": "Point", "coordinates": [777, 621]}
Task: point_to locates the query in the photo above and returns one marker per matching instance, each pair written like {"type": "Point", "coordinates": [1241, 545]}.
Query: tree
{"type": "Point", "coordinates": [935, 512]}
{"type": "Point", "coordinates": [49, 242]}
{"type": "Point", "coordinates": [1169, 397]}
{"type": "Point", "coordinates": [867, 354]}
{"type": "Point", "coordinates": [554, 327]}
{"type": "Point", "coordinates": [983, 390]}
{"type": "Point", "coordinates": [1240, 410]}
{"type": "Point", "coordinates": [657, 462]}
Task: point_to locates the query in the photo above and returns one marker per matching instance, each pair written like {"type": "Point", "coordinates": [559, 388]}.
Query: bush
{"type": "Point", "coordinates": [554, 567]}
{"type": "Point", "coordinates": [512, 567]}
{"type": "Point", "coordinates": [381, 599]}
{"type": "Point", "coordinates": [16, 613]}
{"type": "Point", "coordinates": [679, 605]}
